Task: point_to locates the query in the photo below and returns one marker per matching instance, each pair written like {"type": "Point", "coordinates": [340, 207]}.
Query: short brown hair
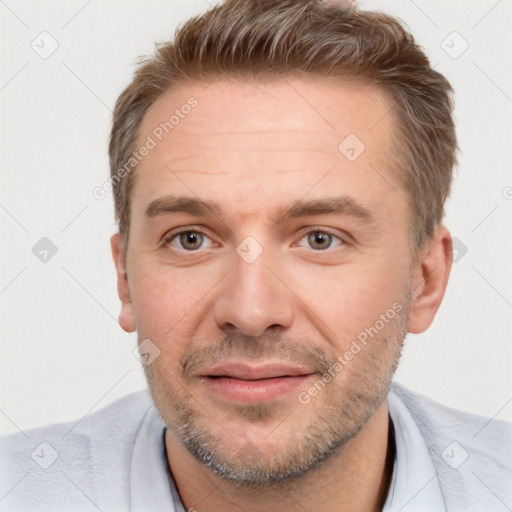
{"type": "Point", "coordinates": [249, 38]}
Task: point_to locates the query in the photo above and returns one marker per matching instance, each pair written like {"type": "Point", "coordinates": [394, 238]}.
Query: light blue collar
{"type": "Point", "coordinates": [414, 484]}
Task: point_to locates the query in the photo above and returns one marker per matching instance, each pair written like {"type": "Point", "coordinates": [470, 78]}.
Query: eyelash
{"type": "Point", "coordinates": [168, 239]}
{"type": "Point", "coordinates": [175, 234]}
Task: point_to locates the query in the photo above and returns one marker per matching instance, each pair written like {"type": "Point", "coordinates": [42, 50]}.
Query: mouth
{"type": "Point", "coordinates": [245, 383]}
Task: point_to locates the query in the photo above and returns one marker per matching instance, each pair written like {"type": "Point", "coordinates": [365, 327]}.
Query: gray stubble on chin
{"type": "Point", "coordinates": [336, 419]}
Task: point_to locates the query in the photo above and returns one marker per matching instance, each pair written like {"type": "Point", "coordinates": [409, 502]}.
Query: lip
{"type": "Point", "coordinates": [246, 371]}
{"type": "Point", "coordinates": [246, 383]}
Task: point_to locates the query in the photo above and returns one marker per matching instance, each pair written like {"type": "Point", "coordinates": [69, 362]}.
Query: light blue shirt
{"type": "Point", "coordinates": [114, 460]}
{"type": "Point", "coordinates": [414, 485]}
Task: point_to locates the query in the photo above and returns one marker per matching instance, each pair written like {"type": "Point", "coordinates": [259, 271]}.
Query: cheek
{"type": "Point", "coordinates": [161, 306]}
{"type": "Point", "coordinates": [346, 300]}
{"type": "Point", "coordinates": [168, 301]}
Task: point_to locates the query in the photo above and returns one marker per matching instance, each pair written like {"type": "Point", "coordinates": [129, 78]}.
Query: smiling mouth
{"type": "Point", "coordinates": [242, 370]}
{"type": "Point", "coordinates": [242, 383]}
{"type": "Point", "coordinates": [256, 379]}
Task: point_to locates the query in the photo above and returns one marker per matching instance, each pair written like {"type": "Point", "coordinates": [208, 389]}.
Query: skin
{"type": "Point", "coordinates": [253, 149]}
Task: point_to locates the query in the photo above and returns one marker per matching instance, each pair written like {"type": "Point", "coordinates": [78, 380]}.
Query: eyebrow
{"type": "Point", "coordinates": [338, 205]}
{"type": "Point", "coordinates": [173, 204]}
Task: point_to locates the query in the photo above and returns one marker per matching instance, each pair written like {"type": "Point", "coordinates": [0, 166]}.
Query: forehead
{"type": "Point", "coordinates": [273, 139]}
{"type": "Point", "coordinates": [304, 106]}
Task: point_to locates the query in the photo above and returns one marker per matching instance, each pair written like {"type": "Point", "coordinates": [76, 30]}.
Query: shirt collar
{"type": "Point", "coordinates": [150, 485]}
{"type": "Point", "coordinates": [414, 483]}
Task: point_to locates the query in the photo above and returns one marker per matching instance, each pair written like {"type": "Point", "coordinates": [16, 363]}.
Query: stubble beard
{"type": "Point", "coordinates": [340, 411]}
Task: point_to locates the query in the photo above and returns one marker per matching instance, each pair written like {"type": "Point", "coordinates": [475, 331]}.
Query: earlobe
{"type": "Point", "coordinates": [127, 314]}
{"type": "Point", "coordinates": [429, 280]}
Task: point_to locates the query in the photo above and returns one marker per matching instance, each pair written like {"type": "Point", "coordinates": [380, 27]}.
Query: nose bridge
{"type": "Point", "coordinates": [253, 299]}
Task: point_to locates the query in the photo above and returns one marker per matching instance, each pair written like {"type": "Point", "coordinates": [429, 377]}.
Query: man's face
{"type": "Point", "coordinates": [261, 253]}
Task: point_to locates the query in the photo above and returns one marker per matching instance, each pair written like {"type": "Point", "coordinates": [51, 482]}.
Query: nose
{"type": "Point", "coordinates": [253, 300]}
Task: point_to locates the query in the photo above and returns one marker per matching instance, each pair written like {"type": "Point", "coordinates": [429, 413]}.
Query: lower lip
{"type": "Point", "coordinates": [253, 390]}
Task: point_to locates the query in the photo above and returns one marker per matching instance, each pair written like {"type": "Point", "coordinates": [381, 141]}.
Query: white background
{"type": "Point", "coordinates": [63, 353]}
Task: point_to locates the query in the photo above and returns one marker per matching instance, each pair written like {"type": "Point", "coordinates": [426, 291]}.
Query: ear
{"type": "Point", "coordinates": [127, 314]}
{"type": "Point", "coordinates": [429, 279]}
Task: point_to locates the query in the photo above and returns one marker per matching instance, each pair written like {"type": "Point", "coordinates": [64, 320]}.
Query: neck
{"type": "Point", "coordinates": [356, 478]}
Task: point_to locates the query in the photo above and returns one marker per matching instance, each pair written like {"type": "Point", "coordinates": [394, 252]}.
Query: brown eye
{"type": "Point", "coordinates": [319, 240]}
{"type": "Point", "coordinates": [191, 240]}
{"type": "Point", "coordinates": [188, 240]}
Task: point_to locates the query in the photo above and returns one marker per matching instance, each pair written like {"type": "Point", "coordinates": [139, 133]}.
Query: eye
{"type": "Point", "coordinates": [321, 240]}
{"type": "Point", "coordinates": [189, 240]}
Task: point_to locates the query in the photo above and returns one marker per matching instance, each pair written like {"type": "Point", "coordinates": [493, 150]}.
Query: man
{"type": "Point", "coordinates": [280, 171]}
